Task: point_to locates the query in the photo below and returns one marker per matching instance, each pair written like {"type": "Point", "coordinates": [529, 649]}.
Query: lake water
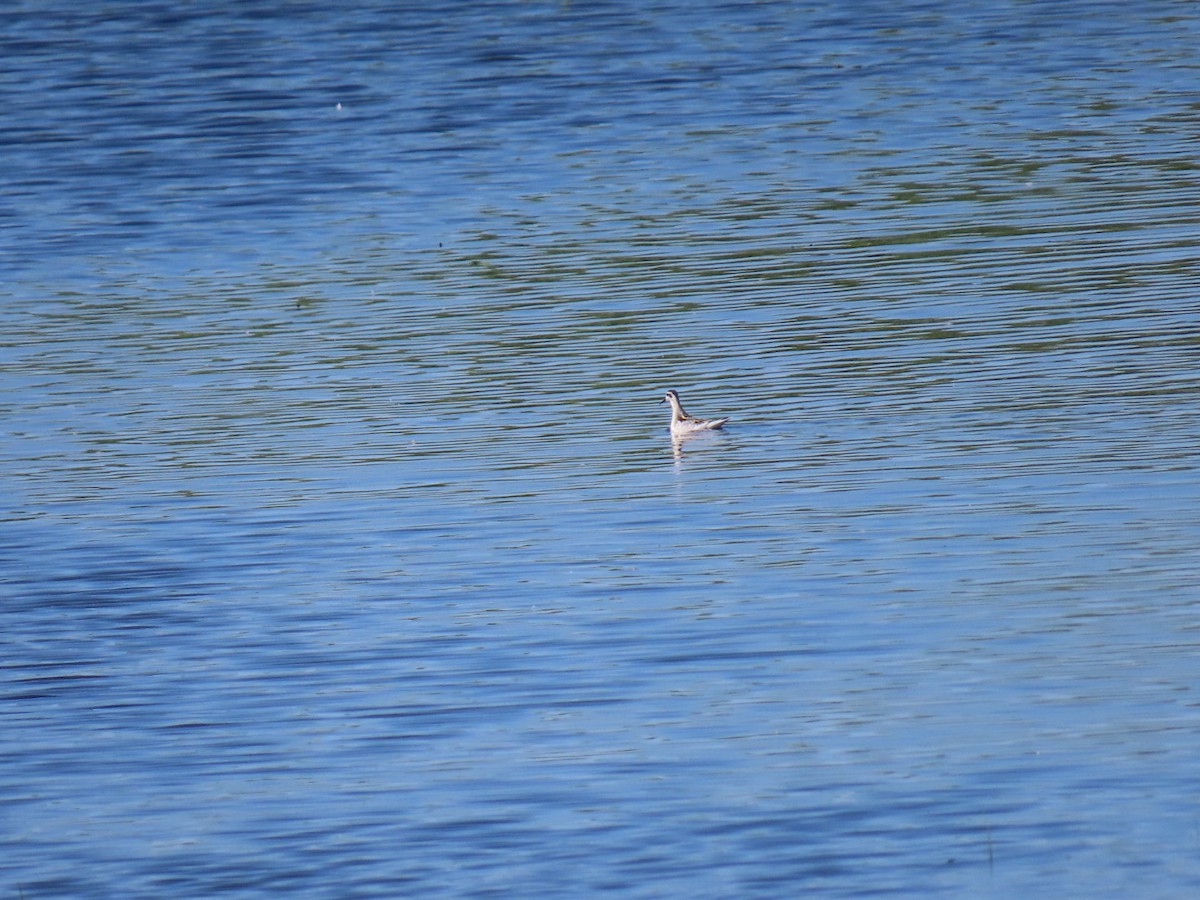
{"type": "Point", "coordinates": [345, 550]}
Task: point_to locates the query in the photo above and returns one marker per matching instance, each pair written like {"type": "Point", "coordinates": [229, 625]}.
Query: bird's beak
{"type": "Point", "coordinates": [662, 401]}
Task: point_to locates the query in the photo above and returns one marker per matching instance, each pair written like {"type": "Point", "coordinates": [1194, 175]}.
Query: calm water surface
{"type": "Point", "coordinates": [345, 552]}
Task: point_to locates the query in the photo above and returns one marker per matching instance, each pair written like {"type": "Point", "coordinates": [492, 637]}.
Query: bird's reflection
{"type": "Point", "coordinates": [697, 441]}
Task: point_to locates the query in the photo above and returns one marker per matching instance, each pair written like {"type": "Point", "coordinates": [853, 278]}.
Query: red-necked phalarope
{"type": "Point", "coordinates": [682, 423]}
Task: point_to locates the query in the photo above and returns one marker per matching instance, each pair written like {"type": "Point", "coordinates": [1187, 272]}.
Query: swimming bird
{"type": "Point", "coordinates": [683, 424]}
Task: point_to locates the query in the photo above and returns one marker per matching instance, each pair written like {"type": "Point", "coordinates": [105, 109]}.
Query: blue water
{"type": "Point", "coordinates": [345, 552]}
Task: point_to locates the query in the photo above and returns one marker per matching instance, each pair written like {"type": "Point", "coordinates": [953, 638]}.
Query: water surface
{"type": "Point", "coordinates": [346, 552]}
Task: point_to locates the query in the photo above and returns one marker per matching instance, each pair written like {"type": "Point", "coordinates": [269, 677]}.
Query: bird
{"type": "Point", "coordinates": [682, 424]}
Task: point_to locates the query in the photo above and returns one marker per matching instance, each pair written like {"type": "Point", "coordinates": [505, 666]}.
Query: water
{"type": "Point", "coordinates": [345, 550]}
